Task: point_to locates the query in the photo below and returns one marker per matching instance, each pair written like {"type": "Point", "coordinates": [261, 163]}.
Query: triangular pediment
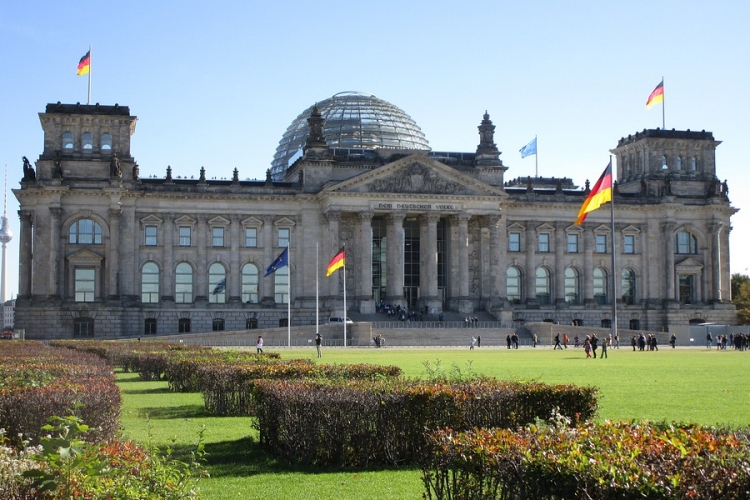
{"type": "Point", "coordinates": [284, 222]}
{"type": "Point", "coordinates": [84, 257]}
{"type": "Point", "coordinates": [516, 226]}
{"type": "Point", "coordinates": [545, 227]}
{"type": "Point", "coordinates": [151, 219]}
{"type": "Point", "coordinates": [688, 264]}
{"type": "Point", "coordinates": [185, 220]}
{"type": "Point", "coordinates": [601, 229]}
{"type": "Point", "coordinates": [631, 230]}
{"type": "Point", "coordinates": [219, 221]}
{"type": "Point", "coordinates": [416, 174]}
{"type": "Point", "coordinates": [252, 222]}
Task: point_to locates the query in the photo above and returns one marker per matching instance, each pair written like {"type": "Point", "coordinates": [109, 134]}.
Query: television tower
{"type": "Point", "coordinates": [5, 237]}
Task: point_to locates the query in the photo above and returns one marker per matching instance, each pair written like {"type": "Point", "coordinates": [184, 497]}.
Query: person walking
{"type": "Point", "coordinates": [318, 342]}
{"type": "Point", "coordinates": [603, 355]}
{"type": "Point", "coordinates": [557, 342]}
{"type": "Point", "coordinates": [472, 342]}
{"type": "Point", "coordinates": [535, 339]}
{"type": "Point", "coordinates": [594, 344]}
{"type": "Point", "coordinates": [259, 345]}
{"type": "Point", "coordinates": [479, 341]}
{"type": "Point", "coordinates": [565, 340]}
{"type": "Point", "coordinates": [617, 340]}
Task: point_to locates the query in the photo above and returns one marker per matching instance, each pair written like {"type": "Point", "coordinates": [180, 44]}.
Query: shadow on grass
{"type": "Point", "coordinates": [154, 390]}
{"type": "Point", "coordinates": [172, 412]}
{"type": "Point", "coordinates": [245, 457]}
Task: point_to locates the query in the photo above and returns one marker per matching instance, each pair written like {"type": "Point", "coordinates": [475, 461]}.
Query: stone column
{"type": "Point", "coordinates": [366, 304]}
{"type": "Point", "coordinates": [166, 285]}
{"type": "Point", "coordinates": [464, 303]}
{"type": "Point", "coordinates": [113, 256]}
{"type": "Point", "coordinates": [667, 228]}
{"type": "Point", "coordinates": [428, 261]}
{"type": "Point", "coordinates": [54, 252]}
{"type": "Point", "coordinates": [334, 244]}
{"type": "Point", "coordinates": [267, 292]}
{"type": "Point", "coordinates": [493, 223]}
{"type": "Point", "coordinates": [395, 260]}
{"type": "Point", "coordinates": [560, 244]}
{"type": "Point", "coordinates": [502, 253]}
{"type": "Point", "coordinates": [201, 273]}
{"type": "Point", "coordinates": [25, 258]}
{"type": "Point", "coordinates": [234, 284]}
{"type": "Point", "coordinates": [131, 248]}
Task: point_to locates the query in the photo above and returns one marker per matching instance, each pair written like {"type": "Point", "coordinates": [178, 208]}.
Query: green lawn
{"type": "Point", "coordinates": [684, 385]}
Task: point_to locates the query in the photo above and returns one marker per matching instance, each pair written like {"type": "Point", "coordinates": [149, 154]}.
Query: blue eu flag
{"type": "Point", "coordinates": [281, 261]}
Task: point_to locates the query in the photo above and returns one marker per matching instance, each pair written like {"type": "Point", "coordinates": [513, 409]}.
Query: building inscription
{"type": "Point", "coordinates": [440, 207]}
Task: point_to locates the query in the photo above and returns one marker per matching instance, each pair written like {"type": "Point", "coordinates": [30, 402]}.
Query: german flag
{"type": "Point", "coordinates": [337, 262]}
{"type": "Point", "coordinates": [84, 65]}
{"type": "Point", "coordinates": [656, 96]}
{"type": "Point", "coordinates": [601, 194]}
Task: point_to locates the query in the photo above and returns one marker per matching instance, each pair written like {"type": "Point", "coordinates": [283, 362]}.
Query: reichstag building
{"type": "Point", "coordinates": [105, 252]}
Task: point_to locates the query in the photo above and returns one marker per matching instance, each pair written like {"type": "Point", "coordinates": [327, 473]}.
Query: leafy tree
{"type": "Point", "coordinates": [741, 297]}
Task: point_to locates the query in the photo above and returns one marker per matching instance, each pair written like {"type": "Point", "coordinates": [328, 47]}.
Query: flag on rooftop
{"type": "Point", "coordinates": [599, 195]}
{"type": "Point", "coordinates": [84, 65]}
{"type": "Point", "coordinates": [656, 96]}
{"type": "Point", "coordinates": [529, 149]}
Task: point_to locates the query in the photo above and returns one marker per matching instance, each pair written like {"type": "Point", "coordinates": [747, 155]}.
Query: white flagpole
{"type": "Point", "coordinates": [536, 155]}
{"type": "Point", "coordinates": [663, 105]}
{"type": "Point", "coordinates": [289, 300]}
{"type": "Point", "coordinates": [317, 290]}
{"type": "Point", "coordinates": [344, 295]}
{"type": "Point", "coordinates": [615, 274]}
{"type": "Point", "coordinates": [90, 55]}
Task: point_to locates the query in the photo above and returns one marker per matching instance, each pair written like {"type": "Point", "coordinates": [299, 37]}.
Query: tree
{"type": "Point", "coordinates": [740, 285]}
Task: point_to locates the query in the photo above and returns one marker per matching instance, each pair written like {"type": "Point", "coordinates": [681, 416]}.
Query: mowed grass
{"type": "Point", "coordinates": [696, 385]}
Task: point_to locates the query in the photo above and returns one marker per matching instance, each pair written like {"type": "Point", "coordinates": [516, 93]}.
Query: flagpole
{"type": "Point", "coordinates": [289, 299]}
{"type": "Point", "coordinates": [317, 290]}
{"type": "Point", "coordinates": [614, 269]}
{"type": "Point", "coordinates": [344, 295]}
{"type": "Point", "coordinates": [536, 156]}
{"type": "Point", "coordinates": [89, 97]}
{"type": "Point", "coordinates": [663, 105]}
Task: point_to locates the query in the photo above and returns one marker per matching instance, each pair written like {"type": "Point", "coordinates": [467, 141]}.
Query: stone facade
{"type": "Point", "coordinates": [118, 255]}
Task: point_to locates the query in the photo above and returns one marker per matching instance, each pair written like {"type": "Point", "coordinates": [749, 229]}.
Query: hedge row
{"type": "Point", "coordinates": [38, 382]}
{"type": "Point", "coordinates": [228, 389]}
{"type": "Point", "coordinates": [597, 461]}
{"type": "Point", "coordinates": [359, 423]}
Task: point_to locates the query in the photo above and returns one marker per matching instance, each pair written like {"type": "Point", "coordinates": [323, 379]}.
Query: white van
{"type": "Point", "coordinates": [338, 319]}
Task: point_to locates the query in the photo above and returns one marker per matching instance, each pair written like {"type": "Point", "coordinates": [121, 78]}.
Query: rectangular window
{"type": "Point", "coordinates": [150, 236]}
{"type": "Point", "coordinates": [572, 243]}
{"type": "Point", "coordinates": [601, 243]}
{"type": "Point", "coordinates": [283, 237]}
{"type": "Point", "coordinates": [544, 242]}
{"type": "Point", "coordinates": [514, 242]}
{"type": "Point", "coordinates": [251, 237]}
{"type": "Point", "coordinates": [628, 244]}
{"type": "Point", "coordinates": [85, 280]}
{"type": "Point", "coordinates": [185, 236]}
{"type": "Point", "coordinates": [217, 236]}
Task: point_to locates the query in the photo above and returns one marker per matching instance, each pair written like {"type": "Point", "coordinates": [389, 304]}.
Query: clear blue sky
{"type": "Point", "coordinates": [215, 84]}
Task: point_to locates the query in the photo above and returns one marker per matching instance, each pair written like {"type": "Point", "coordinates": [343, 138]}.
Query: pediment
{"type": "Point", "coordinates": [252, 222]}
{"type": "Point", "coordinates": [688, 264]}
{"type": "Point", "coordinates": [545, 227]}
{"type": "Point", "coordinates": [151, 219]}
{"type": "Point", "coordinates": [85, 257]}
{"type": "Point", "coordinates": [516, 226]}
{"type": "Point", "coordinates": [284, 221]}
{"type": "Point", "coordinates": [602, 228]}
{"type": "Point", "coordinates": [416, 174]}
{"type": "Point", "coordinates": [219, 221]}
{"type": "Point", "coordinates": [631, 230]}
{"type": "Point", "coordinates": [185, 220]}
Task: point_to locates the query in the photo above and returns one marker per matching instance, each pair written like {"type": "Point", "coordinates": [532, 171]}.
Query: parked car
{"type": "Point", "coordinates": [339, 319]}
{"type": "Point", "coordinates": [6, 335]}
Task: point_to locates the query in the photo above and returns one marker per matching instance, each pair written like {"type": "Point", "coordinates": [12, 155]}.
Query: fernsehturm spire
{"type": "Point", "coordinates": [5, 236]}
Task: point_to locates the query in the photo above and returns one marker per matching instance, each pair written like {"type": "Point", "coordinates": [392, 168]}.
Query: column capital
{"type": "Point", "coordinates": [333, 215]}
{"type": "Point", "coordinates": [366, 216]}
{"type": "Point", "coordinates": [56, 212]}
{"type": "Point", "coordinates": [667, 226]}
{"type": "Point", "coordinates": [114, 213]}
{"type": "Point", "coordinates": [234, 218]}
{"type": "Point", "coordinates": [26, 216]}
{"type": "Point", "coordinates": [396, 217]}
{"type": "Point", "coordinates": [168, 217]}
{"type": "Point", "coordinates": [493, 219]}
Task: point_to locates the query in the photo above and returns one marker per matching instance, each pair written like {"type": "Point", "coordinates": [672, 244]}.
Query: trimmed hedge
{"type": "Point", "coordinates": [357, 423]}
{"type": "Point", "coordinates": [38, 382]}
{"type": "Point", "coordinates": [597, 461]}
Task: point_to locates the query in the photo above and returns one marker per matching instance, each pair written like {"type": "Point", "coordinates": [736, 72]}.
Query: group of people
{"type": "Point", "coordinates": [739, 341]}
{"type": "Point", "coordinates": [591, 344]}
{"type": "Point", "coordinates": [471, 321]}
{"type": "Point", "coordinates": [512, 341]}
{"type": "Point", "coordinates": [648, 342]}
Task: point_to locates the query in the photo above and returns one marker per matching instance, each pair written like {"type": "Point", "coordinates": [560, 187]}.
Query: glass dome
{"type": "Point", "coordinates": [353, 120]}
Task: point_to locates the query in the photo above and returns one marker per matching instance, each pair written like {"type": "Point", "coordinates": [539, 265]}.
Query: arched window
{"type": "Point", "coordinates": [150, 283]}
{"type": "Point", "coordinates": [217, 283]}
{"type": "Point", "coordinates": [85, 232]}
{"type": "Point", "coordinates": [628, 287]}
{"type": "Point", "coordinates": [250, 284]}
{"type": "Point", "coordinates": [106, 143]}
{"type": "Point", "coordinates": [664, 165]}
{"type": "Point", "coordinates": [685, 243]}
{"type": "Point", "coordinates": [218, 325]}
{"type": "Point", "coordinates": [67, 141]}
{"type": "Point", "coordinates": [693, 163]}
{"type": "Point", "coordinates": [600, 286]}
{"type": "Point", "coordinates": [87, 142]}
{"type": "Point", "coordinates": [83, 327]}
{"type": "Point", "coordinates": [572, 286]}
{"type": "Point", "coordinates": [513, 285]}
{"type": "Point", "coordinates": [543, 286]}
{"type": "Point", "coordinates": [183, 290]}
{"type": "Point", "coordinates": [678, 164]}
